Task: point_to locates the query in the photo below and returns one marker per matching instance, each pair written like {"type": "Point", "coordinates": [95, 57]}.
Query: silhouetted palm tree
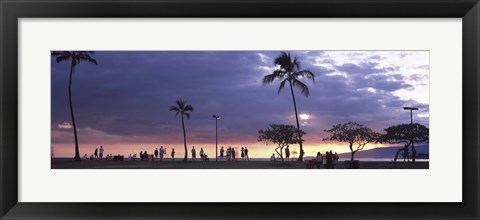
{"type": "Point", "coordinates": [182, 108]}
{"type": "Point", "coordinates": [75, 57]}
{"type": "Point", "coordinates": [289, 71]}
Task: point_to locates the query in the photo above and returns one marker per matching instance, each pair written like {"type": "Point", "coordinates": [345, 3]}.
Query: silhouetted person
{"type": "Point", "coordinates": [319, 159]}
{"type": "Point", "coordinates": [221, 153]}
{"type": "Point", "coordinates": [156, 153]}
{"type": "Point", "coordinates": [332, 165]}
{"type": "Point", "coordinates": [329, 158]}
{"type": "Point", "coordinates": [161, 152]}
{"type": "Point", "coordinates": [229, 153]}
{"type": "Point", "coordinates": [101, 152]}
{"type": "Point", "coordinates": [141, 155]}
{"type": "Point", "coordinates": [96, 153]}
{"type": "Point", "coordinates": [246, 153]}
{"type": "Point", "coordinates": [145, 154]}
{"type": "Point", "coordinates": [287, 153]}
{"type": "Point", "coordinates": [202, 154]}
{"type": "Point", "coordinates": [194, 153]}
{"type": "Point", "coordinates": [233, 153]}
{"type": "Point", "coordinates": [173, 153]}
{"type": "Point", "coordinates": [85, 157]}
{"type": "Point", "coordinates": [272, 158]}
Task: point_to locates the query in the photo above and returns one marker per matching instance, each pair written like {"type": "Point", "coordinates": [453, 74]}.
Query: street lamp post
{"type": "Point", "coordinates": [216, 135]}
{"type": "Point", "coordinates": [411, 109]}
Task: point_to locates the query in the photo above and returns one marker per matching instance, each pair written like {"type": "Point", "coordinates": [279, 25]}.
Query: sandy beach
{"type": "Point", "coordinates": [103, 164]}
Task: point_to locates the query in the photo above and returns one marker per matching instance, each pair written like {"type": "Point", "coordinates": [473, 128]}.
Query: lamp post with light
{"type": "Point", "coordinates": [217, 117]}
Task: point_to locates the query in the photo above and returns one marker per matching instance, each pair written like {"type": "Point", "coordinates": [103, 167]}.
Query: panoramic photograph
{"type": "Point", "coordinates": [240, 109]}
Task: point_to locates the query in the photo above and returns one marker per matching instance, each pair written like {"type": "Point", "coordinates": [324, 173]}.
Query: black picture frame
{"type": "Point", "coordinates": [12, 10]}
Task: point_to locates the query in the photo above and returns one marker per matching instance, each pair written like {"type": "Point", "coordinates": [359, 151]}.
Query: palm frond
{"type": "Point", "coordinates": [282, 84]}
{"type": "Point", "coordinates": [174, 108]}
{"type": "Point", "coordinates": [302, 86]}
{"type": "Point", "coordinates": [295, 64]}
{"type": "Point", "coordinates": [61, 55]}
{"type": "Point", "coordinates": [284, 61]}
{"type": "Point", "coordinates": [277, 74]}
{"type": "Point", "coordinates": [180, 104]}
{"type": "Point", "coordinates": [305, 73]}
{"type": "Point", "coordinates": [86, 57]}
{"type": "Point", "coordinates": [188, 108]}
{"type": "Point", "coordinates": [187, 115]}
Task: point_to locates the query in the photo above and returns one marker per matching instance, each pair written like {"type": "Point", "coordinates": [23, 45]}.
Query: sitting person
{"type": "Point", "coordinates": [91, 157]}
{"type": "Point", "coordinates": [272, 158]}
{"type": "Point", "coordinates": [85, 157]}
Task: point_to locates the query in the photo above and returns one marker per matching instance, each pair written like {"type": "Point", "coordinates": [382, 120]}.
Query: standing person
{"type": "Point", "coordinates": [95, 153]}
{"type": "Point", "coordinates": [287, 153]}
{"type": "Point", "coordinates": [272, 158]}
{"type": "Point", "coordinates": [202, 154]}
{"type": "Point", "coordinates": [242, 153]}
{"type": "Point", "coordinates": [161, 153]}
{"type": "Point", "coordinates": [221, 153]}
{"type": "Point", "coordinates": [246, 153]}
{"type": "Point", "coordinates": [145, 154]}
{"type": "Point", "coordinates": [101, 152]}
{"type": "Point", "coordinates": [165, 151]}
{"type": "Point", "coordinates": [229, 152]}
{"type": "Point", "coordinates": [332, 164]}
{"type": "Point", "coordinates": [173, 153]}
{"type": "Point", "coordinates": [194, 153]}
{"type": "Point", "coordinates": [336, 157]}
{"type": "Point", "coordinates": [319, 159]}
{"type": "Point", "coordinates": [233, 153]}
{"type": "Point", "coordinates": [156, 153]}
{"type": "Point", "coordinates": [141, 155]}
{"type": "Point", "coordinates": [328, 157]}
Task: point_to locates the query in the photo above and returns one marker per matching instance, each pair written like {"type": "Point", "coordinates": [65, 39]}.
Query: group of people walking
{"type": "Point", "coordinates": [231, 154]}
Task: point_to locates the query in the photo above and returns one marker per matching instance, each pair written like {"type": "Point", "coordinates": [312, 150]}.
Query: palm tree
{"type": "Point", "coordinates": [74, 57]}
{"type": "Point", "coordinates": [289, 71]}
{"type": "Point", "coordinates": [183, 109]}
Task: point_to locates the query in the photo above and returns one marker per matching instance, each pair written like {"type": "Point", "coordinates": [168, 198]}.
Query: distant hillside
{"type": "Point", "coordinates": [383, 152]}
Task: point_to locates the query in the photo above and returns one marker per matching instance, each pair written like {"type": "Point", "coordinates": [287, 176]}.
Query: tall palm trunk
{"type": "Point", "coordinates": [77, 152]}
{"type": "Point", "coordinates": [300, 158]}
{"type": "Point", "coordinates": [184, 140]}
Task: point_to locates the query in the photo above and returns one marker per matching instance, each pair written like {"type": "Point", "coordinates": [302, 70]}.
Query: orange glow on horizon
{"type": "Point", "coordinates": [256, 149]}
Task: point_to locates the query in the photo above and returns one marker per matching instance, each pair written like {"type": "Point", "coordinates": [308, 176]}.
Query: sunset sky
{"type": "Point", "coordinates": [122, 103]}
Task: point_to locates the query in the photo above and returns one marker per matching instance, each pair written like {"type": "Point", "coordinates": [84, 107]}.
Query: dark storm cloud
{"type": "Point", "coordinates": [128, 94]}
